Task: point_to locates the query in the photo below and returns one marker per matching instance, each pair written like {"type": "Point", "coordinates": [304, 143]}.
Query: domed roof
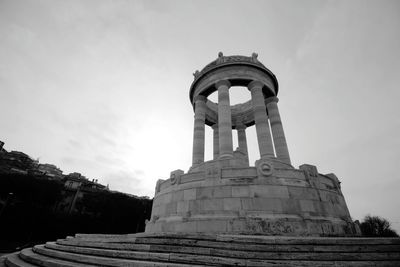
{"type": "Point", "coordinates": [227, 61]}
{"type": "Point", "coordinates": [231, 60]}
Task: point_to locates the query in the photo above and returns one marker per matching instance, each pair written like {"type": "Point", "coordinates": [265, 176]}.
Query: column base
{"type": "Point", "coordinates": [268, 157]}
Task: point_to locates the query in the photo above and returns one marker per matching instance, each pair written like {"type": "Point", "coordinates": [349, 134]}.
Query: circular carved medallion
{"type": "Point", "coordinates": [173, 178]}
{"type": "Point", "coordinates": [264, 168]}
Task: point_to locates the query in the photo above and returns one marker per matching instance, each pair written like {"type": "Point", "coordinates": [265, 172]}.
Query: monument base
{"type": "Point", "coordinates": [257, 226]}
{"type": "Point", "coordinates": [272, 198]}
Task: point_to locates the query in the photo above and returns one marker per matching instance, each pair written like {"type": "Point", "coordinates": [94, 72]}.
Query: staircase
{"type": "Point", "coordinates": [208, 250]}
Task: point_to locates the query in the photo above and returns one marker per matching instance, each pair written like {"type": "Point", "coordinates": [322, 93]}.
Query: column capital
{"type": "Point", "coordinates": [200, 98]}
{"type": "Point", "coordinates": [223, 83]}
{"type": "Point", "coordinates": [271, 99]}
{"type": "Point", "coordinates": [255, 84]}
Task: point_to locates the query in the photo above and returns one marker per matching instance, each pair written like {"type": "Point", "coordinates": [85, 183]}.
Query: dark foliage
{"type": "Point", "coordinates": [30, 215]}
{"type": "Point", "coordinates": [375, 226]}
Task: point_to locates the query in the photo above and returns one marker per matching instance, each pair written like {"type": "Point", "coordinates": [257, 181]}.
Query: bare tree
{"type": "Point", "coordinates": [377, 226]}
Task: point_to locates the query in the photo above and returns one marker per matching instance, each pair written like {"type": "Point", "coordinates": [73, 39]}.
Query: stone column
{"type": "Point", "coordinates": [199, 128]}
{"type": "Point", "coordinates": [278, 134]}
{"type": "Point", "coordinates": [215, 141]}
{"type": "Point", "coordinates": [242, 140]}
{"type": "Point", "coordinates": [260, 116]}
{"type": "Point", "coordinates": [224, 120]}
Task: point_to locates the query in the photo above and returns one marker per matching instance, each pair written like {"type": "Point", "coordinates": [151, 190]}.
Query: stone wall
{"type": "Point", "coordinates": [248, 200]}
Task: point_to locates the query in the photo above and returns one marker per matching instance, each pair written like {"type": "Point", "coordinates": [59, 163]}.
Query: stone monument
{"type": "Point", "coordinates": [227, 194]}
{"type": "Point", "coordinates": [226, 212]}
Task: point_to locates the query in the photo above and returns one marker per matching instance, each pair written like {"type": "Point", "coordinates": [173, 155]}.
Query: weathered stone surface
{"type": "Point", "coordinates": [269, 191]}
{"type": "Point", "coordinates": [15, 261]}
{"type": "Point", "coordinates": [241, 191]}
{"type": "Point", "coordinates": [234, 198]}
{"type": "Point", "coordinates": [239, 172]}
{"type": "Point", "coordinates": [177, 196]}
{"type": "Point", "coordinates": [183, 206]}
{"type": "Point", "coordinates": [172, 249]}
{"type": "Point", "coordinates": [233, 204]}
{"type": "Point", "coordinates": [28, 255]}
{"type": "Point", "coordinates": [189, 194]}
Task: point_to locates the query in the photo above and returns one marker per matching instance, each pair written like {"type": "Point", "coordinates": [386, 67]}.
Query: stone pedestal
{"type": "Point", "coordinates": [264, 199]}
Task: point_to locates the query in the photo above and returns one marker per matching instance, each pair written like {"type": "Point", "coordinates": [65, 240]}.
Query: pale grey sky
{"type": "Point", "coordinates": [101, 87]}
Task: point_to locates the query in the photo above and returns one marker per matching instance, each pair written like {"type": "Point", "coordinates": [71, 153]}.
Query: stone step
{"type": "Point", "coordinates": [181, 250]}
{"type": "Point", "coordinates": [150, 256]}
{"type": "Point", "coordinates": [307, 240]}
{"type": "Point", "coordinates": [201, 245]}
{"type": "Point", "coordinates": [104, 260]}
{"type": "Point", "coordinates": [224, 254]}
{"type": "Point", "coordinates": [14, 260]}
{"type": "Point", "coordinates": [117, 246]}
{"type": "Point", "coordinates": [2, 261]}
{"type": "Point", "coordinates": [280, 263]}
{"type": "Point", "coordinates": [35, 259]}
{"type": "Point", "coordinates": [159, 244]}
{"type": "Point", "coordinates": [30, 256]}
{"type": "Point", "coordinates": [242, 239]}
{"type": "Point", "coordinates": [106, 252]}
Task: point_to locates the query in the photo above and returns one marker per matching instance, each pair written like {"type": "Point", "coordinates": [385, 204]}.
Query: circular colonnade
{"type": "Point", "coordinates": [261, 111]}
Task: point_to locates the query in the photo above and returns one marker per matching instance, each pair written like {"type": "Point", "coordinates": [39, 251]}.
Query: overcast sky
{"type": "Point", "coordinates": [101, 87]}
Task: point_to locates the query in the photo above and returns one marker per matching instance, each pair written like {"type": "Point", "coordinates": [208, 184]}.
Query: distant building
{"type": "Point", "coordinates": [16, 161]}
{"type": "Point", "coordinates": [76, 180]}
{"type": "Point", "coordinates": [73, 180]}
{"type": "Point", "coordinates": [51, 171]}
{"type": "Point", "coordinates": [76, 187]}
{"type": "Point", "coordinates": [76, 175]}
{"type": "Point", "coordinates": [73, 183]}
{"type": "Point", "coordinates": [94, 185]}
